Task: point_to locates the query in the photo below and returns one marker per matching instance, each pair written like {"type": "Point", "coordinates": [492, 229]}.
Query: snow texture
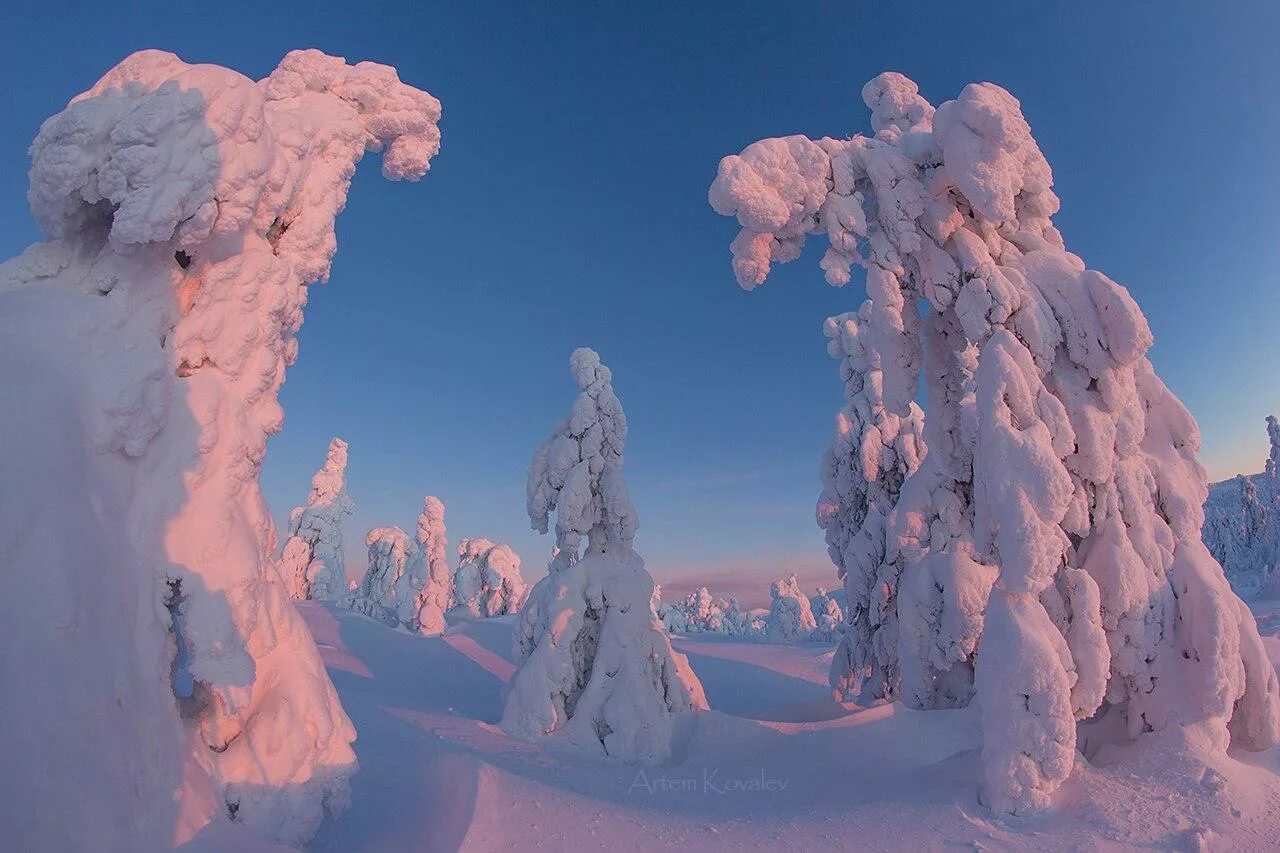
{"type": "Point", "coordinates": [596, 669]}
{"type": "Point", "coordinates": [487, 579]}
{"type": "Point", "coordinates": [312, 565]}
{"type": "Point", "coordinates": [790, 617]}
{"type": "Point", "coordinates": [185, 209]}
{"type": "Point", "coordinates": [1047, 547]}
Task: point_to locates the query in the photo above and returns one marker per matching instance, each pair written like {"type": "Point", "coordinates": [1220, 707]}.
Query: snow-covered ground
{"type": "Point", "coordinates": [776, 762]}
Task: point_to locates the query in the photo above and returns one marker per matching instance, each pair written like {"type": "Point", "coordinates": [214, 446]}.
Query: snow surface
{"type": "Point", "coordinates": [1046, 554]}
{"type": "Point", "coordinates": [775, 765]}
{"type": "Point", "coordinates": [157, 678]}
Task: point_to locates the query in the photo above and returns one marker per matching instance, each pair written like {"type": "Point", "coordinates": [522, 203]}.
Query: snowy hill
{"type": "Point", "coordinates": [776, 763]}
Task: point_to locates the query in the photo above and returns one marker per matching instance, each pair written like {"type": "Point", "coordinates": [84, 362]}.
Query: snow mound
{"type": "Point", "coordinates": [1045, 554]}
{"type": "Point", "coordinates": [185, 208]}
{"type": "Point", "coordinates": [596, 669]}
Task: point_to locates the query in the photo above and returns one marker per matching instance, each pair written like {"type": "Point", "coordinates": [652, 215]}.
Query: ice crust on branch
{"type": "Point", "coordinates": [487, 579]}
{"type": "Point", "coordinates": [596, 670]}
{"type": "Point", "coordinates": [186, 208]}
{"type": "Point", "coordinates": [312, 565]}
{"type": "Point", "coordinates": [1050, 536]}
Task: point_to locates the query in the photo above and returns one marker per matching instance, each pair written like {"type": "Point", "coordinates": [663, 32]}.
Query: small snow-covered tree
{"type": "Point", "coordinates": [487, 579]}
{"type": "Point", "coordinates": [701, 612]}
{"type": "Point", "coordinates": [431, 557]}
{"type": "Point", "coordinates": [390, 588]}
{"type": "Point", "coordinates": [1047, 548]}
{"type": "Point", "coordinates": [1273, 440]}
{"type": "Point", "coordinates": [790, 615]}
{"type": "Point", "coordinates": [186, 210]}
{"type": "Point", "coordinates": [596, 669]}
{"type": "Point", "coordinates": [312, 565]}
{"type": "Point", "coordinates": [830, 619]}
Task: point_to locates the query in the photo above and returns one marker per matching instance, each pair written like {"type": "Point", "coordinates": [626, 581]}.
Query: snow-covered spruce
{"type": "Point", "coordinates": [431, 563]}
{"type": "Point", "coordinates": [185, 208]}
{"type": "Point", "coordinates": [487, 580]}
{"type": "Point", "coordinates": [873, 450]}
{"type": "Point", "coordinates": [390, 588]}
{"type": "Point", "coordinates": [312, 565]}
{"type": "Point", "coordinates": [1242, 524]}
{"type": "Point", "coordinates": [700, 612]}
{"type": "Point", "coordinates": [1056, 517]}
{"type": "Point", "coordinates": [790, 617]}
{"type": "Point", "coordinates": [829, 616]}
{"type": "Point", "coordinates": [596, 669]}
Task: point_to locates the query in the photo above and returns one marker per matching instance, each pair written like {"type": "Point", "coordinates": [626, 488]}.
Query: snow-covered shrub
{"type": "Point", "coordinates": [596, 669]}
{"type": "Point", "coordinates": [431, 564]}
{"type": "Point", "coordinates": [487, 580]}
{"type": "Point", "coordinates": [1242, 523]}
{"type": "Point", "coordinates": [700, 612]}
{"type": "Point", "coordinates": [186, 208]}
{"type": "Point", "coordinates": [390, 588]}
{"type": "Point", "coordinates": [312, 564]}
{"type": "Point", "coordinates": [790, 617]}
{"type": "Point", "coordinates": [1050, 537]}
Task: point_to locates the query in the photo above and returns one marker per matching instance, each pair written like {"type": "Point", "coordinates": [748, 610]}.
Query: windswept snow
{"type": "Point", "coordinates": [186, 208]}
{"type": "Point", "coordinates": [1046, 551]}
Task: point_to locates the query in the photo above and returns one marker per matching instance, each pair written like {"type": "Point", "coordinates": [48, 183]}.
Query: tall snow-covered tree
{"type": "Point", "coordinates": [186, 209]}
{"type": "Point", "coordinates": [596, 669]}
{"type": "Point", "coordinates": [1047, 547]}
{"type": "Point", "coordinates": [312, 565]}
{"type": "Point", "coordinates": [435, 597]}
{"type": "Point", "coordinates": [1273, 441]}
{"type": "Point", "coordinates": [487, 580]}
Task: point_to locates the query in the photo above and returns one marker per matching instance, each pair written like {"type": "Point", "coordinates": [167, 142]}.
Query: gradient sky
{"type": "Point", "coordinates": [568, 208]}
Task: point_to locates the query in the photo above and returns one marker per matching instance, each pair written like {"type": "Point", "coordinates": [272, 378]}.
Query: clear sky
{"type": "Point", "coordinates": [568, 208]}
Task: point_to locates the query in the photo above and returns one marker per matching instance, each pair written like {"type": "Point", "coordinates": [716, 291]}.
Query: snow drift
{"type": "Point", "coordinates": [312, 565]}
{"type": "Point", "coordinates": [156, 676]}
{"type": "Point", "coordinates": [596, 669]}
{"type": "Point", "coordinates": [1045, 553]}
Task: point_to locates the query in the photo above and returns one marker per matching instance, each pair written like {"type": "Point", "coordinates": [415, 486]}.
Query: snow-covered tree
{"type": "Point", "coordinates": [790, 614]}
{"type": "Point", "coordinates": [1273, 440]}
{"type": "Point", "coordinates": [701, 612]}
{"type": "Point", "coordinates": [596, 669]}
{"type": "Point", "coordinates": [830, 619]}
{"type": "Point", "coordinates": [312, 565]}
{"type": "Point", "coordinates": [390, 588]}
{"type": "Point", "coordinates": [1050, 537]}
{"type": "Point", "coordinates": [186, 208]}
{"type": "Point", "coordinates": [435, 597]}
{"type": "Point", "coordinates": [487, 579]}
{"type": "Point", "coordinates": [1242, 524]}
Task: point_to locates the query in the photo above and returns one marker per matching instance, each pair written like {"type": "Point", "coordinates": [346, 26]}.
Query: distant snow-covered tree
{"type": "Point", "coordinates": [435, 596]}
{"type": "Point", "coordinates": [830, 619]}
{"type": "Point", "coordinates": [312, 565]}
{"type": "Point", "coordinates": [790, 615]}
{"type": "Point", "coordinates": [1242, 524]}
{"type": "Point", "coordinates": [487, 580]}
{"type": "Point", "coordinates": [389, 588]}
{"type": "Point", "coordinates": [1273, 440]}
{"type": "Point", "coordinates": [1047, 548]}
{"type": "Point", "coordinates": [596, 669]}
{"type": "Point", "coordinates": [701, 612]}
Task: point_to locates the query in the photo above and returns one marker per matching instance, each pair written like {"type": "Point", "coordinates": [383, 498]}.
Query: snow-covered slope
{"type": "Point", "coordinates": [775, 765]}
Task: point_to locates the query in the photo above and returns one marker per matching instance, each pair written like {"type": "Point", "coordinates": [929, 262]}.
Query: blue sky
{"type": "Point", "coordinates": [568, 208]}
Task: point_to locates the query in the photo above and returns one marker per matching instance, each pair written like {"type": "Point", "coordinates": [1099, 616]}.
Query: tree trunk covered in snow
{"type": "Point", "coordinates": [596, 668]}
{"type": "Point", "coordinates": [186, 209]}
{"type": "Point", "coordinates": [1046, 551]}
